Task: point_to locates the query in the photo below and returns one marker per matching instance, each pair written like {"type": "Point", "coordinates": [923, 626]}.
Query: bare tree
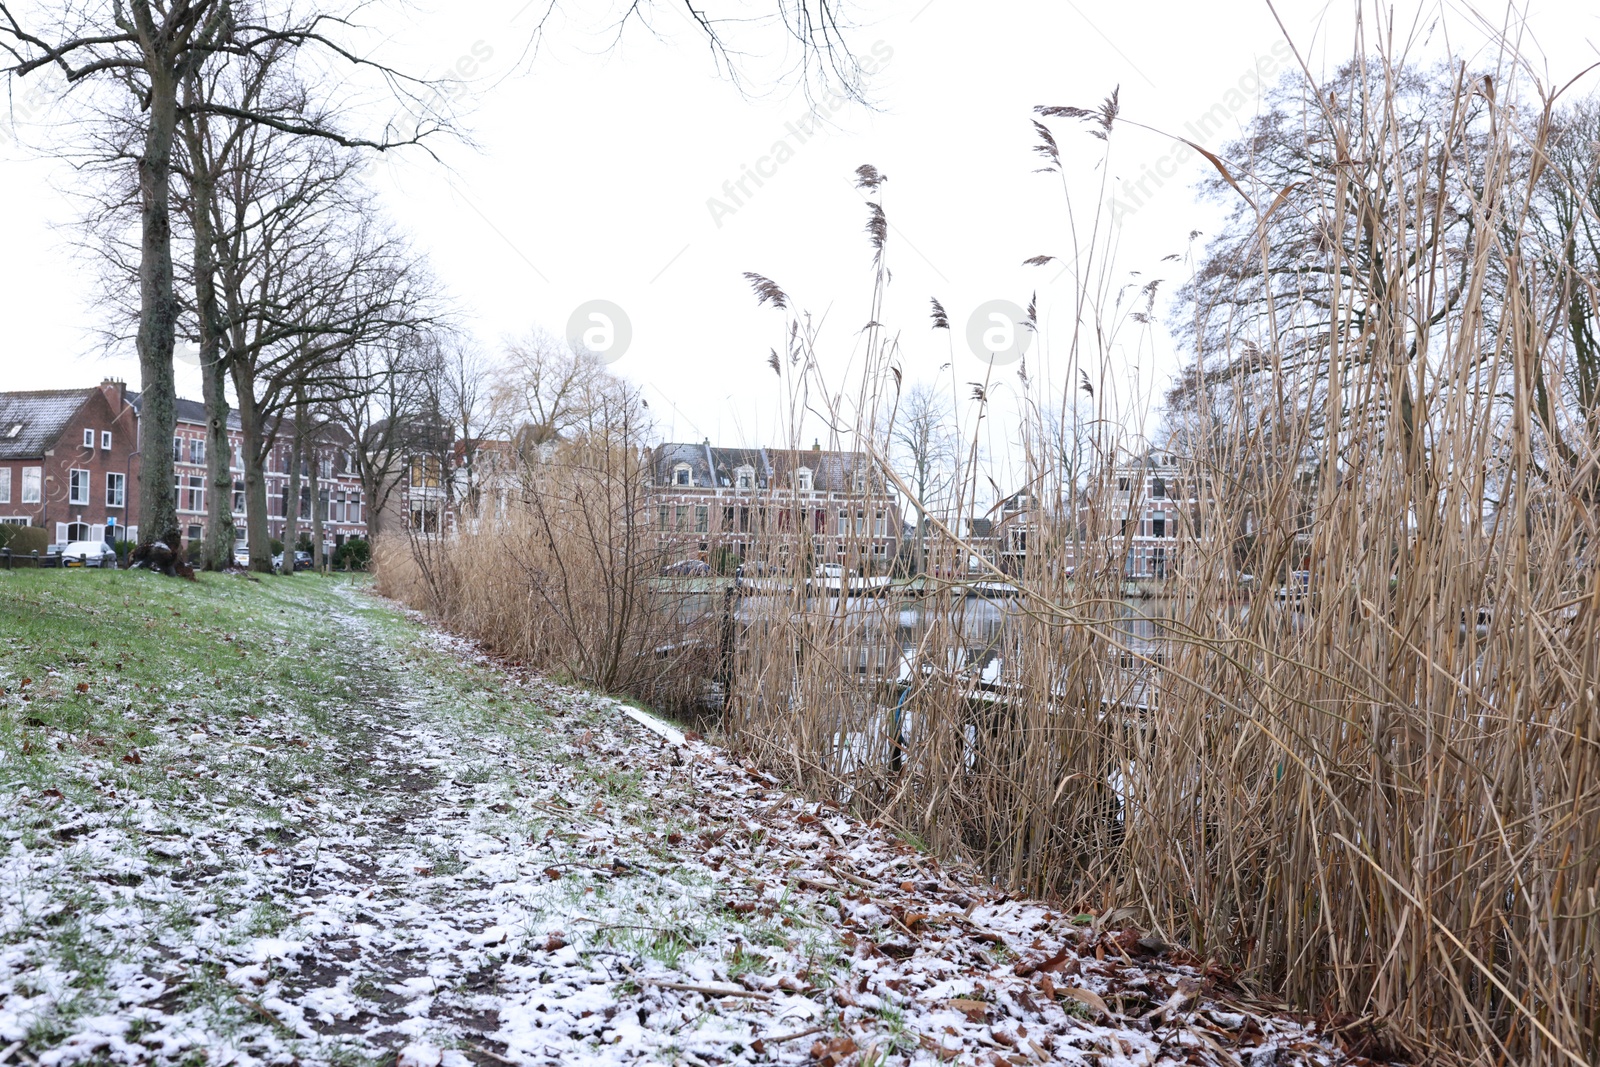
{"type": "Point", "coordinates": [546, 390]}
{"type": "Point", "coordinates": [149, 50]}
{"type": "Point", "coordinates": [923, 443]}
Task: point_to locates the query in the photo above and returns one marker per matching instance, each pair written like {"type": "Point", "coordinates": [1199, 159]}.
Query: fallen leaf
{"type": "Point", "coordinates": [832, 1053]}
{"type": "Point", "coordinates": [1090, 999]}
{"type": "Point", "coordinates": [975, 1010]}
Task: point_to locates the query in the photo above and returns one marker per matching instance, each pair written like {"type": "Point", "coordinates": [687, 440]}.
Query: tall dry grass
{"type": "Point", "coordinates": [1379, 800]}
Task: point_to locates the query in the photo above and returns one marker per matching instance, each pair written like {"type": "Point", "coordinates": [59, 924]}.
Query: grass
{"type": "Point", "coordinates": [131, 705]}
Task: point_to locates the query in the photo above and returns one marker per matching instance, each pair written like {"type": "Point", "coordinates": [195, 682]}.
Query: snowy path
{"type": "Point", "coordinates": [459, 864]}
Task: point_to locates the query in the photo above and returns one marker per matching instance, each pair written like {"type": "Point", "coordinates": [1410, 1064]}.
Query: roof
{"type": "Point", "coordinates": [190, 411]}
{"type": "Point", "coordinates": [32, 422]}
{"type": "Point", "coordinates": [713, 467]}
{"type": "Point", "coordinates": [832, 472]}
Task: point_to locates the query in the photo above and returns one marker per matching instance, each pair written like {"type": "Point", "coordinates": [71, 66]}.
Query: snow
{"type": "Point", "coordinates": [552, 877]}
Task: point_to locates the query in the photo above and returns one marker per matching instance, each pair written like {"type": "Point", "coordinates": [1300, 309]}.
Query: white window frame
{"type": "Point", "coordinates": [744, 477]}
{"type": "Point", "coordinates": [5, 485]}
{"type": "Point", "coordinates": [78, 487]}
{"type": "Point", "coordinates": [682, 475]}
{"type": "Point", "coordinates": [105, 440]}
{"type": "Point", "coordinates": [802, 479]}
{"type": "Point", "coordinates": [88, 438]}
{"type": "Point", "coordinates": [37, 495]}
{"type": "Point", "coordinates": [116, 490]}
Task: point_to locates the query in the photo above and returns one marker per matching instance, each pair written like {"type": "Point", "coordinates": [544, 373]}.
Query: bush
{"type": "Point", "coordinates": [276, 546]}
{"type": "Point", "coordinates": [27, 539]}
{"type": "Point", "coordinates": [353, 555]}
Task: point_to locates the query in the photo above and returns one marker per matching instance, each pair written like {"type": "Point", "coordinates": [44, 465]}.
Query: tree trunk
{"type": "Point", "coordinates": [316, 511]}
{"type": "Point", "coordinates": [218, 550]}
{"type": "Point", "coordinates": [158, 316]}
{"type": "Point", "coordinates": [257, 530]}
{"type": "Point", "coordinates": [291, 525]}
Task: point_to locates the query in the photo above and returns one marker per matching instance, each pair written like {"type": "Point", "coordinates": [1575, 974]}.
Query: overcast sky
{"type": "Point", "coordinates": [611, 170]}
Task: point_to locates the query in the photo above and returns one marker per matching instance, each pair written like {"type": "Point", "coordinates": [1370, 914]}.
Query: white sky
{"type": "Point", "coordinates": [592, 167]}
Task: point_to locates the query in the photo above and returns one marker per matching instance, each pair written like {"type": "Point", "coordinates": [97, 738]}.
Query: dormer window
{"type": "Point", "coordinates": [680, 474]}
{"type": "Point", "coordinates": [745, 478]}
{"type": "Point", "coordinates": [802, 479]}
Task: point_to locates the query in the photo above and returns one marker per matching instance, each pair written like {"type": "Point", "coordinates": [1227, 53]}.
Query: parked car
{"type": "Point", "coordinates": [302, 560]}
{"type": "Point", "coordinates": [687, 568]}
{"type": "Point", "coordinates": [89, 554]}
{"type": "Point", "coordinates": [241, 554]}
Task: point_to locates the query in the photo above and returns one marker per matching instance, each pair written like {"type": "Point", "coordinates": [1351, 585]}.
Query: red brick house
{"type": "Point", "coordinates": [69, 461]}
{"type": "Point", "coordinates": [707, 502]}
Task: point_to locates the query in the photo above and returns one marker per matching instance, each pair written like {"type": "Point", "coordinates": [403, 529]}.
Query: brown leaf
{"type": "Point", "coordinates": [832, 1053]}
{"type": "Point", "coordinates": [975, 1010]}
{"type": "Point", "coordinates": [132, 756]}
{"type": "Point", "coordinates": [1054, 963]}
{"type": "Point", "coordinates": [1090, 999]}
{"type": "Point", "coordinates": [555, 942]}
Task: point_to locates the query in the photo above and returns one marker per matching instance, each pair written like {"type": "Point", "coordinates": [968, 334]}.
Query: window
{"type": "Point", "coordinates": [105, 440]}
{"type": "Point", "coordinates": [78, 531]}
{"type": "Point", "coordinates": [802, 479]}
{"type": "Point", "coordinates": [861, 522]}
{"type": "Point", "coordinates": [744, 520]}
{"type": "Point", "coordinates": [88, 439]}
{"type": "Point", "coordinates": [727, 517]}
{"type": "Point", "coordinates": [352, 510]}
{"type": "Point", "coordinates": [77, 487]}
{"type": "Point", "coordinates": [177, 450]}
{"type": "Point", "coordinates": [746, 478]}
{"type": "Point", "coordinates": [238, 497]}
{"type": "Point", "coordinates": [197, 450]}
{"type": "Point", "coordinates": [844, 522]}
{"type": "Point", "coordinates": [1122, 485]}
{"type": "Point", "coordinates": [683, 516]}
{"type": "Point", "coordinates": [663, 518]}
{"type": "Point", "coordinates": [1158, 525]}
{"type": "Point", "coordinates": [195, 533]}
{"type": "Point", "coordinates": [116, 490]}
{"type": "Point", "coordinates": [680, 474]}
{"type": "Point", "coordinates": [880, 524]}
{"type": "Point", "coordinates": [233, 457]}
{"type": "Point", "coordinates": [425, 471]}
{"type": "Point", "coordinates": [5, 485]}
{"type": "Point", "coordinates": [702, 519]}
{"type": "Point", "coordinates": [196, 494]}
{"type": "Point", "coordinates": [1158, 488]}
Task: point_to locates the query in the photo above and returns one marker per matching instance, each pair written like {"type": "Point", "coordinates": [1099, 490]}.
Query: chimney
{"type": "Point", "coordinates": [114, 388]}
{"type": "Point", "coordinates": [816, 445]}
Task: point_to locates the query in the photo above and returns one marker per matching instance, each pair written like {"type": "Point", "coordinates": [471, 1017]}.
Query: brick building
{"type": "Point", "coordinates": [714, 503]}
{"type": "Point", "coordinates": [338, 487]}
{"type": "Point", "coordinates": [69, 461]}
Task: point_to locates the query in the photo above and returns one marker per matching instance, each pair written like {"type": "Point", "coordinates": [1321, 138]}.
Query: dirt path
{"type": "Point", "coordinates": [432, 860]}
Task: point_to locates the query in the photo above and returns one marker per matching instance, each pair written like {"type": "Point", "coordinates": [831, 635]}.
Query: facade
{"type": "Point", "coordinates": [339, 494]}
{"type": "Point", "coordinates": [69, 461]}
{"type": "Point", "coordinates": [1148, 505]}
{"type": "Point", "coordinates": [1154, 509]}
{"type": "Point", "coordinates": [720, 504]}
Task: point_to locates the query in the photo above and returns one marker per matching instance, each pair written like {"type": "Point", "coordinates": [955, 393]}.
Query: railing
{"type": "Point", "coordinates": [10, 560]}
